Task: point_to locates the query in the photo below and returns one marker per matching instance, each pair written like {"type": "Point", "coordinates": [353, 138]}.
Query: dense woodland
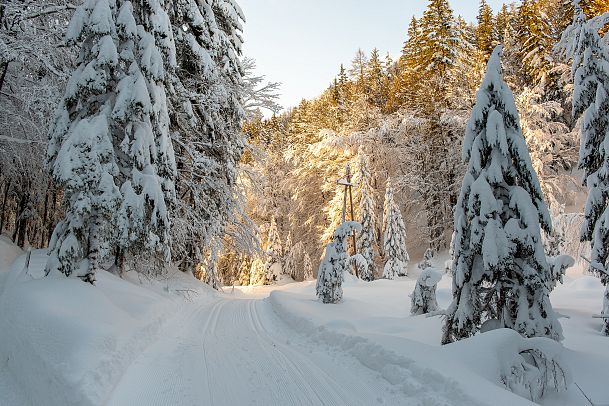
{"type": "Point", "coordinates": [245, 199]}
{"type": "Point", "coordinates": [403, 122]}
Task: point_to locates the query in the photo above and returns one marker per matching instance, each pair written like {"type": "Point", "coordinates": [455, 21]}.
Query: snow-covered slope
{"type": "Point", "coordinates": [64, 342]}
{"type": "Point", "coordinates": [376, 317]}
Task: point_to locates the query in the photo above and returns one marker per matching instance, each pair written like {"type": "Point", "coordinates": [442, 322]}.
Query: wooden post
{"type": "Point", "coordinates": [346, 181]}
{"type": "Point", "coordinates": [352, 219]}
{"type": "Point", "coordinates": [348, 189]}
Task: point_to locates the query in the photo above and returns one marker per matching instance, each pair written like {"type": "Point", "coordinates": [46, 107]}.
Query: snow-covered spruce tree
{"type": "Point", "coordinates": [289, 263]}
{"type": "Point", "coordinates": [366, 238]}
{"type": "Point", "coordinates": [109, 147]}
{"type": "Point", "coordinates": [423, 299]}
{"type": "Point", "coordinates": [291, 252]}
{"type": "Point", "coordinates": [330, 275]}
{"type": "Point", "coordinates": [394, 238]}
{"type": "Point", "coordinates": [206, 122]}
{"type": "Point", "coordinates": [273, 265]}
{"type": "Point", "coordinates": [211, 265]}
{"type": "Point", "coordinates": [606, 311]}
{"type": "Point", "coordinates": [146, 158]}
{"type": "Point", "coordinates": [500, 269]}
{"type": "Point", "coordinates": [257, 272]}
{"type": "Point", "coordinates": [307, 267]}
{"type": "Point", "coordinates": [591, 102]}
{"type": "Point", "coordinates": [244, 271]}
{"type": "Point", "coordinates": [555, 245]}
{"type": "Point", "coordinates": [426, 262]}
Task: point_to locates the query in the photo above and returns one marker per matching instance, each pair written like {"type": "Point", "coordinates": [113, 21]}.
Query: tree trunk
{"type": "Point", "coordinates": [7, 187]}
{"type": "Point", "coordinates": [45, 212]}
{"type": "Point", "coordinates": [93, 251]}
{"type": "Point", "coordinates": [18, 217]}
{"type": "Point", "coordinates": [119, 262]}
{"type": "Point", "coordinates": [4, 68]}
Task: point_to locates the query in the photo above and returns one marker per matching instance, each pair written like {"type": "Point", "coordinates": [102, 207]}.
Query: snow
{"type": "Point", "coordinates": [8, 252]}
{"type": "Point", "coordinates": [174, 341]}
{"type": "Point", "coordinates": [65, 342]}
{"type": "Point", "coordinates": [379, 313]}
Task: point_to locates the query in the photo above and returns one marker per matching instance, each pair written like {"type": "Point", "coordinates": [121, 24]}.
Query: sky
{"type": "Point", "coordinates": [301, 43]}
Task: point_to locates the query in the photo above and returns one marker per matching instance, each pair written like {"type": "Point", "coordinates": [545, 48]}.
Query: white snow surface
{"type": "Point", "coordinates": [175, 342]}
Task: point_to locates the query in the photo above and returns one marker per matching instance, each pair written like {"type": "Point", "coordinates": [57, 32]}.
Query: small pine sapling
{"type": "Point", "coordinates": [273, 265]}
{"type": "Point", "coordinates": [394, 236]}
{"type": "Point", "coordinates": [423, 299]}
{"type": "Point", "coordinates": [335, 263]}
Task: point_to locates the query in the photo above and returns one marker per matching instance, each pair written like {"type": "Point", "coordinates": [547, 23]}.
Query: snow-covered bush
{"type": "Point", "coordinates": [535, 370]}
{"type": "Point", "coordinates": [335, 263]}
{"type": "Point", "coordinates": [423, 299]}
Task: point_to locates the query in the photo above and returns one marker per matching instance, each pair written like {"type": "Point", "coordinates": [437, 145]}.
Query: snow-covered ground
{"type": "Point", "coordinates": [378, 314]}
{"type": "Point", "coordinates": [140, 342]}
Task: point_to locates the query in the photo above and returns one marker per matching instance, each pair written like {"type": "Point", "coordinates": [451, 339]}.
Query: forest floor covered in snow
{"type": "Point", "coordinates": [137, 341]}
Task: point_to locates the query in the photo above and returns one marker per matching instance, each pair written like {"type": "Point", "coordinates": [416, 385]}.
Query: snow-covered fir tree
{"type": "Point", "coordinates": [423, 298]}
{"type": "Point", "coordinates": [582, 42]}
{"type": "Point", "coordinates": [606, 311]}
{"type": "Point", "coordinates": [366, 238]}
{"type": "Point", "coordinates": [330, 275]}
{"type": "Point", "coordinates": [109, 147]}
{"type": "Point", "coordinates": [500, 269]}
{"type": "Point", "coordinates": [426, 262]}
{"type": "Point", "coordinates": [273, 265]}
{"type": "Point", "coordinates": [486, 30]}
{"type": "Point", "coordinates": [394, 238]}
{"type": "Point", "coordinates": [209, 273]}
{"type": "Point", "coordinates": [290, 261]}
{"type": "Point", "coordinates": [591, 102]}
{"type": "Point", "coordinates": [257, 272]}
{"type": "Point", "coordinates": [439, 43]}
{"type": "Point", "coordinates": [207, 116]}
{"type": "Point", "coordinates": [244, 271]}
{"type": "Point", "coordinates": [146, 161]}
{"type": "Point", "coordinates": [307, 267]}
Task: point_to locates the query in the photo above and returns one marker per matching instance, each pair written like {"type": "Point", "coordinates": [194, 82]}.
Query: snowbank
{"type": "Point", "coordinates": [400, 361]}
{"type": "Point", "coordinates": [65, 342]}
{"type": "Point", "coordinates": [8, 252]}
{"type": "Point", "coordinates": [373, 323]}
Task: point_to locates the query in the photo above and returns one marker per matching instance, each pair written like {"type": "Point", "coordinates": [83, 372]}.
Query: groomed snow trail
{"type": "Point", "coordinates": [237, 352]}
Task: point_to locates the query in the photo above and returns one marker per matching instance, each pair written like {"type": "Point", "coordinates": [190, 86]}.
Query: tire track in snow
{"type": "Point", "coordinates": [329, 397]}
{"type": "Point", "coordinates": [309, 387]}
{"type": "Point", "coordinates": [151, 378]}
{"type": "Point", "coordinates": [238, 352]}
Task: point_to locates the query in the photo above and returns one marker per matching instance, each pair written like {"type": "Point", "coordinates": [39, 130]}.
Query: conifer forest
{"type": "Point", "coordinates": [432, 228]}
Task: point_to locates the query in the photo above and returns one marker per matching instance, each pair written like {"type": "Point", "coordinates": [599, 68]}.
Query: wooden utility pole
{"type": "Point", "coordinates": [346, 182]}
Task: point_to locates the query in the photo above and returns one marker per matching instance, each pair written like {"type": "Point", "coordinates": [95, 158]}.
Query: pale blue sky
{"type": "Point", "coordinates": [301, 43]}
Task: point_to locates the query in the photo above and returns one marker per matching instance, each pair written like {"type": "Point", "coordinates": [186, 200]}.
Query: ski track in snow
{"type": "Point", "coordinates": [238, 352]}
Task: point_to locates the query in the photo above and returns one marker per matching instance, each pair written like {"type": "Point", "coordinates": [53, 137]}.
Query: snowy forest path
{"type": "Point", "coordinates": [238, 352]}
